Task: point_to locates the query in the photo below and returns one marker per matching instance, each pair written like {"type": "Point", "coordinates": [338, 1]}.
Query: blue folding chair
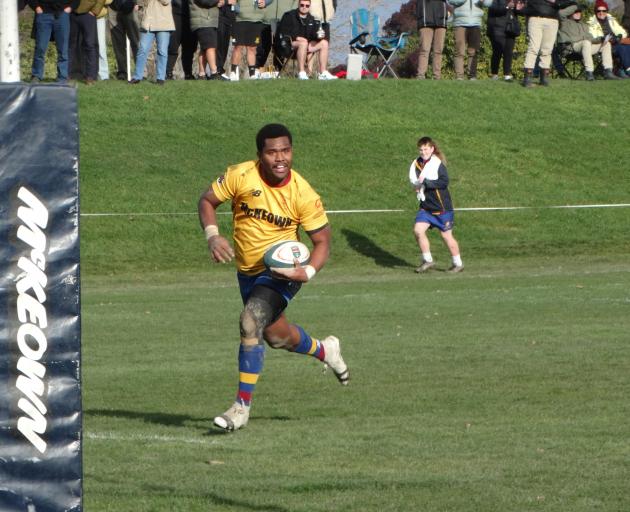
{"type": "Point", "coordinates": [379, 51]}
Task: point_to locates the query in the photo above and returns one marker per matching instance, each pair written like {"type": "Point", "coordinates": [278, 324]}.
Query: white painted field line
{"type": "Point", "coordinates": [472, 209]}
{"type": "Point", "coordinates": [111, 436]}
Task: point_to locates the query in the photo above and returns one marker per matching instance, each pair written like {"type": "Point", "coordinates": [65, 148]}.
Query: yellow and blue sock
{"type": "Point", "coordinates": [309, 346]}
{"type": "Point", "coordinates": [250, 365]}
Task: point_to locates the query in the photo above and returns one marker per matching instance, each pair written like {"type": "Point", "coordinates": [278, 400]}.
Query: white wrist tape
{"type": "Point", "coordinates": [210, 231]}
{"type": "Point", "coordinates": [310, 271]}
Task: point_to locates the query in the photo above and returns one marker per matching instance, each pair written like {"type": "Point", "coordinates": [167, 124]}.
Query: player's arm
{"type": "Point", "coordinates": [442, 179]}
{"type": "Point", "coordinates": [319, 257]}
{"type": "Point", "coordinates": [219, 247]}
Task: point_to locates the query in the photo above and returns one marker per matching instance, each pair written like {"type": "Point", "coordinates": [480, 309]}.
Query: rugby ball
{"type": "Point", "coordinates": [283, 254]}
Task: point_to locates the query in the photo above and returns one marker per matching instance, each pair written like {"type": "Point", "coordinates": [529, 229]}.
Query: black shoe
{"type": "Point", "coordinates": [169, 76]}
{"type": "Point", "coordinates": [121, 76]}
{"type": "Point", "coordinates": [218, 76]}
{"type": "Point", "coordinates": [35, 80]}
{"type": "Point", "coordinates": [159, 82]}
{"type": "Point", "coordinates": [589, 76]}
{"type": "Point", "coordinates": [133, 81]}
{"type": "Point", "coordinates": [189, 77]}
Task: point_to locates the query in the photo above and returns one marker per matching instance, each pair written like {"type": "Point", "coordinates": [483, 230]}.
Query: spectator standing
{"type": "Point", "coordinates": [51, 17]}
{"type": "Point", "coordinates": [84, 38]}
{"type": "Point", "coordinates": [542, 28]}
{"type": "Point", "coordinates": [204, 21]}
{"type": "Point", "coordinates": [625, 19]}
{"type": "Point", "coordinates": [101, 32]}
{"type": "Point", "coordinates": [431, 16]}
{"type": "Point", "coordinates": [156, 24]}
{"type": "Point", "coordinates": [227, 18]}
{"type": "Point", "coordinates": [467, 18]}
{"type": "Point", "coordinates": [247, 31]}
{"type": "Point", "coordinates": [605, 29]}
{"type": "Point", "coordinates": [573, 32]}
{"type": "Point", "coordinates": [324, 11]}
{"type": "Point", "coordinates": [182, 36]}
{"type": "Point", "coordinates": [307, 37]}
{"type": "Point", "coordinates": [123, 25]}
{"type": "Point", "coordinates": [503, 28]}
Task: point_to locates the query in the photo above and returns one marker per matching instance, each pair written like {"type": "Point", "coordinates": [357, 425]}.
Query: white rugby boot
{"type": "Point", "coordinates": [333, 359]}
{"type": "Point", "coordinates": [234, 418]}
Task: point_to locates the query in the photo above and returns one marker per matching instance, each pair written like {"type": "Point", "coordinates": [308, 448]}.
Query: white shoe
{"type": "Point", "coordinates": [302, 75]}
{"type": "Point", "coordinates": [233, 76]}
{"type": "Point", "coordinates": [325, 75]}
{"type": "Point", "coordinates": [234, 418]}
{"type": "Point", "coordinates": [333, 359]}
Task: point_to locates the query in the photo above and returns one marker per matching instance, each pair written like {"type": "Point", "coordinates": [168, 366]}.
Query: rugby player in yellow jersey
{"type": "Point", "coordinates": [269, 202]}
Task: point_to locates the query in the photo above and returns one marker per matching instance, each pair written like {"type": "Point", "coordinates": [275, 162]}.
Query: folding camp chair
{"type": "Point", "coordinates": [380, 51]}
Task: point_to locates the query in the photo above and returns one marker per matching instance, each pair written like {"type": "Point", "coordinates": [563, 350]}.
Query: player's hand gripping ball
{"type": "Point", "coordinates": [284, 255]}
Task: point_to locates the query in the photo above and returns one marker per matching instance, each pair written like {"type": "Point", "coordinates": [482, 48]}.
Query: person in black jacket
{"type": "Point", "coordinates": [429, 178]}
{"type": "Point", "coordinates": [182, 36]}
{"type": "Point", "coordinates": [52, 17]}
{"type": "Point", "coordinates": [502, 36]}
{"type": "Point", "coordinates": [307, 38]}
{"type": "Point", "coordinates": [431, 17]}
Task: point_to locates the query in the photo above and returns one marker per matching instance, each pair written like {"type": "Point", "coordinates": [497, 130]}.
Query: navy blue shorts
{"type": "Point", "coordinates": [443, 221]}
{"type": "Point", "coordinates": [288, 289]}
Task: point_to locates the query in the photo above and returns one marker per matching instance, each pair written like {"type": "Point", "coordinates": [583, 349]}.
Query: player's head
{"type": "Point", "coordinates": [428, 147]}
{"type": "Point", "coordinates": [271, 131]}
{"type": "Point", "coordinates": [275, 152]}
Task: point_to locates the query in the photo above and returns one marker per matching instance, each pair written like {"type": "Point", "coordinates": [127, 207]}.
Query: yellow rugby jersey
{"type": "Point", "coordinates": [264, 214]}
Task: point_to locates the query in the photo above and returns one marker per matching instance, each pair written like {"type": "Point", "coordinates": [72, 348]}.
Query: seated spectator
{"type": "Point", "coordinates": [307, 38]}
{"type": "Point", "coordinates": [467, 17]}
{"type": "Point", "coordinates": [575, 34]}
{"type": "Point", "coordinates": [52, 17]}
{"type": "Point", "coordinates": [156, 23]}
{"type": "Point", "coordinates": [606, 30]}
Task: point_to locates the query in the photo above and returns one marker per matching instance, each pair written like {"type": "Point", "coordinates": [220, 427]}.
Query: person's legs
{"type": "Point", "coordinates": [549, 32]}
{"type": "Point", "coordinates": [473, 43]}
{"type": "Point", "coordinates": [460, 50]}
{"type": "Point", "coordinates": [534, 40]}
{"type": "Point", "coordinates": [43, 28]}
{"type": "Point", "coordinates": [146, 41]}
{"type": "Point", "coordinates": [161, 54]}
{"type": "Point", "coordinates": [87, 24]}
{"type": "Point", "coordinates": [103, 65]}
{"type": "Point", "coordinates": [420, 232]}
{"type": "Point", "coordinates": [426, 38]}
{"type": "Point", "coordinates": [585, 48]}
{"type": "Point", "coordinates": [173, 45]}
{"type": "Point", "coordinates": [302, 48]}
{"type": "Point", "coordinates": [439, 36]}
{"type": "Point", "coordinates": [62, 37]}
{"type": "Point", "coordinates": [453, 247]}
{"type": "Point", "coordinates": [508, 53]}
{"type": "Point", "coordinates": [497, 44]}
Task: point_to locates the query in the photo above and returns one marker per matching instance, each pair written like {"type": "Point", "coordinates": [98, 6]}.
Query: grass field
{"type": "Point", "coordinates": [501, 389]}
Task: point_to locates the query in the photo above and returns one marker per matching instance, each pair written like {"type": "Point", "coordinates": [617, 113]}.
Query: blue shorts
{"type": "Point", "coordinates": [443, 221]}
{"type": "Point", "coordinates": [288, 289]}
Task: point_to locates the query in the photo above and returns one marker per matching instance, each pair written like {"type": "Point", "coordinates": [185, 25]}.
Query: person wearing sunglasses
{"type": "Point", "coordinates": [606, 29]}
{"type": "Point", "coordinates": [307, 38]}
{"type": "Point", "coordinates": [574, 36]}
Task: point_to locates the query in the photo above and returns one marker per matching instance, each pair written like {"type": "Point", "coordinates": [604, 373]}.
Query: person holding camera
{"type": "Point", "coordinates": [605, 29]}
{"type": "Point", "coordinates": [307, 38]}
{"type": "Point", "coordinates": [573, 35]}
{"type": "Point", "coordinates": [503, 28]}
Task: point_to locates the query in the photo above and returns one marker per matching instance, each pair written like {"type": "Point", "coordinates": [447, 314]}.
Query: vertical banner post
{"type": "Point", "coordinates": [40, 328]}
{"type": "Point", "coordinates": [9, 42]}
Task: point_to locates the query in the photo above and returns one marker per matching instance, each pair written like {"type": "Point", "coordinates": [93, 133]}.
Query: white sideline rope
{"type": "Point", "coordinates": [472, 209]}
{"type": "Point", "coordinates": [110, 436]}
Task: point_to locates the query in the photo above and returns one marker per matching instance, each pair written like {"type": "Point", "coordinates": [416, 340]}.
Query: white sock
{"type": "Point", "coordinates": [457, 261]}
{"type": "Point", "coordinates": [426, 256]}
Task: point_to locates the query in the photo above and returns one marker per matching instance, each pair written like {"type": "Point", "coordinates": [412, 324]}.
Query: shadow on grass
{"type": "Point", "coordinates": [363, 245]}
{"type": "Point", "coordinates": [159, 418]}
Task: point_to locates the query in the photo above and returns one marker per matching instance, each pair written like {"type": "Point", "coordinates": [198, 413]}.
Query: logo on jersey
{"type": "Point", "coordinates": [221, 179]}
{"type": "Point", "coordinates": [262, 214]}
{"type": "Point", "coordinates": [256, 193]}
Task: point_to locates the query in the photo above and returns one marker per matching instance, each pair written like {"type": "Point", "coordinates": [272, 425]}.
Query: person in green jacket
{"type": "Point", "coordinates": [246, 34]}
{"type": "Point", "coordinates": [204, 21]}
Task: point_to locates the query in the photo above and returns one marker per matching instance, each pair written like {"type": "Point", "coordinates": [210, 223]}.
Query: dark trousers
{"type": "Point", "coordinates": [122, 26]}
{"type": "Point", "coordinates": [184, 37]}
{"type": "Point", "coordinates": [502, 49]}
{"type": "Point", "coordinates": [224, 36]}
{"type": "Point", "coordinates": [83, 46]}
{"type": "Point", "coordinates": [45, 25]}
{"type": "Point", "coordinates": [264, 47]}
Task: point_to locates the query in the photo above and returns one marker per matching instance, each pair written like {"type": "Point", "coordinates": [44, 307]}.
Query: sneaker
{"type": "Point", "coordinates": [454, 269]}
{"type": "Point", "coordinates": [334, 360]}
{"type": "Point", "coordinates": [494, 77]}
{"type": "Point", "coordinates": [159, 82]}
{"type": "Point", "coordinates": [589, 76]}
{"type": "Point", "coordinates": [426, 265]}
{"type": "Point", "coordinates": [302, 75]}
{"type": "Point", "coordinates": [233, 76]}
{"type": "Point", "coordinates": [133, 81]}
{"type": "Point", "coordinates": [234, 418]}
{"type": "Point", "coordinates": [35, 80]}
{"type": "Point", "coordinates": [217, 76]}
{"type": "Point", "coordinates": [508, 78]}
{"type": "Point", "coordinates": [325, 75]}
